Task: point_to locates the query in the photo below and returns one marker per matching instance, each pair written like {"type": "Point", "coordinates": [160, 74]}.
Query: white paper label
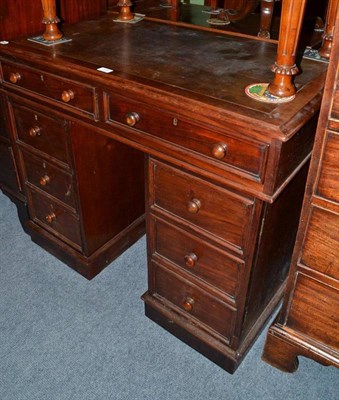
{"type": "Point", "coordinates": [105, 70]}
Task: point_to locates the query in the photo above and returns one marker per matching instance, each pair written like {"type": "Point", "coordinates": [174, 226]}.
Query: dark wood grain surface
{"type": "Point", "coordinates": [197, 64]}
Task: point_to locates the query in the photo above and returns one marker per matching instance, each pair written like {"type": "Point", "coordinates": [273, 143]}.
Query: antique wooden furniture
{"type": "Point", "coordinates": [285, 67]}
{"type": "Point", "coordinates": [266, 15]}
{"type": "Point", "coordinates": [224, 174]}
{"type": "Point", "coordinates": [26, 20]}
{"type": "Point", "coordinates": [308, 324]}
{"type": "Point", "coordinates": [125, 13]}
{"type": "Point", "coordinates": [51, 21]}
{"type": "Point", "coordinates": [92, 235]}
{"type": "Point", "coordinates": [325, 50]}
{"type": "Point", "coordinates": [241, 9]}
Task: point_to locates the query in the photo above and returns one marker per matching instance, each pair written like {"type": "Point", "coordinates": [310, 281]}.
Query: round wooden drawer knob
{"type": "Point", "coordinates": [34, 131]}
{"type": "Point", "coordinates": [67, 96]}
{"type": "Point", "coordinates": [50, 218]}
{"type": "Point", "coordinates": [14, 77]}
{"type": "Point", "coordinates": [44, 180]}
{"type": "Point", "coordinates": [188, 304]}
{"type": "Point", "coordinates": [191, 260]}
{"type": "Point", "coordinates": [193, 206]}
{"type": "Point", "coordinates": [219, 150]}
{"type": "Point", "coordinates": [132, 118]}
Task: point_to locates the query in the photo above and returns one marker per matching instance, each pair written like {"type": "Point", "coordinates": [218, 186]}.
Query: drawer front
{"type": "Point", "coordinates": [320, 249]}
{"type": "Point", "coordinates": [42, 132]}
{"type": "Point", "coordinates": [194, 301]}
{"type": "Point", "coordinates": [49, 178]}
{"type": "Point", "coordinates": [314, 311]}
{"type": "Point", "coordinates": [196, 256]}
{"type": "Point", "coordinates": [54, 217]}
{"type": "Point", "coordinates": [328, 182]}
{"type": "Point", "coordinates": [246, 156]}
{"type": "Point", "coordinates": [335, 104]}
{"type": "Point", "coordinates": [73, 94]}
{"type": "Point", "coordinates": [208, 207]}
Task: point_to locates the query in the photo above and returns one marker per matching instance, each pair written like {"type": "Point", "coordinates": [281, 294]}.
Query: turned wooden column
{"type": "Point", "coordinates": [125, 13]}
{"type": "Point", "coordinates": [51, 20]}
{"type": "Point", "coordinates": [326, 46]}
{"type": "Point", "coordinates": [174, 3]}
{"type": "Point", "coordinates": [266, 15]}
{"type": "Point", "coordinates": [284, 68]}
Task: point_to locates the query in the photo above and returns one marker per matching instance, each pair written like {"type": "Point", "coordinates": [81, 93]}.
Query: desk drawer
{"type": "Point", "coordinates": [328, 182]}
{"type": "Point", "coordinates": [67, 92]}
{"type": "Point", "coordinates": [42, 132]}
{"type": "Point", "coordinates": [54, 217]}
{"type": "Point", "coordinates": [210, 209]}
{"type": "Point", "coordinates": [49, 178]}
{"type": "Point", "coordinates": [244, 155]}
{"type": "Point", "coordinates": [194, 301]}
{"type": "Point", "coordinates": [196, 256]}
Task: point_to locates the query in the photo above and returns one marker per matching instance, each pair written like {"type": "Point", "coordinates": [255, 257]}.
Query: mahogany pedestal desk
{"type": "Point", "coordinates": [224, 174]}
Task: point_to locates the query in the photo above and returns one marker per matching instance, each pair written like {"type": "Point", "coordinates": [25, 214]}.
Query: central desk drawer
{"type": "Point", "coordinates": [211, 209]}
{"type": "Point", "coordinates": [73, 94]}
{"type": "Point", "coordinates": [44, 133]}
{"type": "Point", "coordinates": [194, 301]}
{"type": "Point", "coordinates": [49, 178]}
{"type": "Point", "coordinates": [244, 155]}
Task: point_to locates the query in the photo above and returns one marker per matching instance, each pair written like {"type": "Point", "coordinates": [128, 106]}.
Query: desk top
{"type": "Point", "coordinates": [199, 65]}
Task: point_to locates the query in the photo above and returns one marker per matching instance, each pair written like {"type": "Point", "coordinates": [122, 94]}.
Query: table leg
{"type": "Point", "coordinates": [174, 3]}
{"type": "Point", "coordinates": [51, 20]}
{"type": "Point", "coordinates": [284, 67]}
{"type": "Point", "coordinates": [214, 4]}
{"type": "Point", "coordinates": [125, 13]}
{"type": "Point", "coordinates": [326, 46]}
{"type": "Point", "coordinates": [266, 15]}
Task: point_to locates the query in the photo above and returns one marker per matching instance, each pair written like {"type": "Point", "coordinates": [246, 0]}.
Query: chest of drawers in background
{"type": "Point", "coordinates": [308, 324]}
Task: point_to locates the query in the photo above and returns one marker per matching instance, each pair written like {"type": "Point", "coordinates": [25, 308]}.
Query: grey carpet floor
{"type": "Point", "coordinates": [63, 337]}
